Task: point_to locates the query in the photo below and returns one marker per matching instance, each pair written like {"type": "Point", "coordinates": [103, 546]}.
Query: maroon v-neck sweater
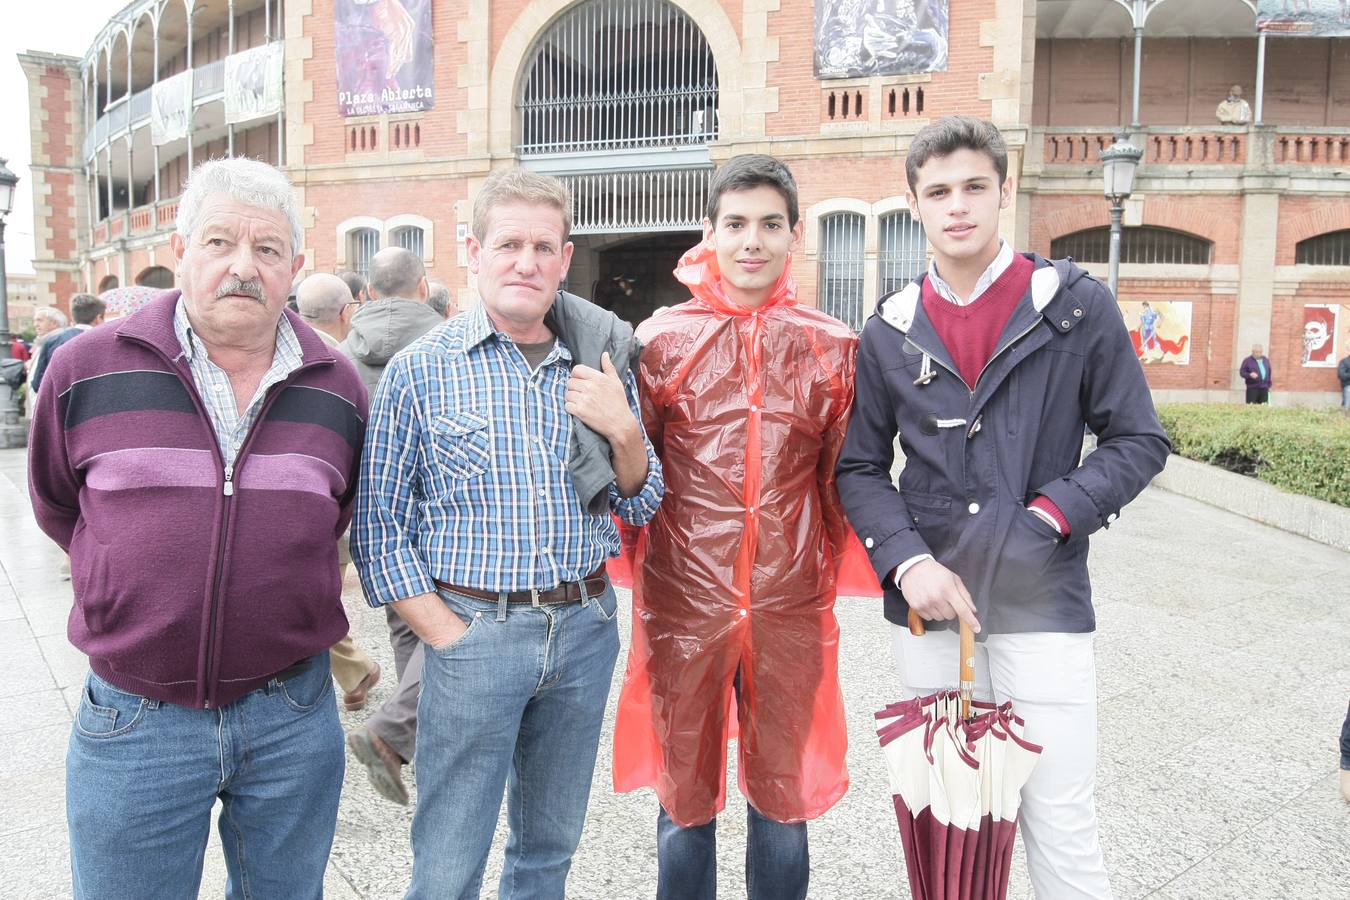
{"type": "Point", "coordinates": [970, 333]}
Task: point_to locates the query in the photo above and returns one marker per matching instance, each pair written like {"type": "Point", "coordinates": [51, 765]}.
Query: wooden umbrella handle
{"type": "Point", "coordinates": [967, 669]}
{"type": "Point", "coordinates": [916, 626]}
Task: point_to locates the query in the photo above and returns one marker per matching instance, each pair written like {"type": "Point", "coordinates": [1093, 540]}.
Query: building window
{"type": "Point", "coordinates": [1330, 249]}
{"type": "Point", "coordinates": [611, 74]}
{"type": "Point", "coordinates": [904, 251]}
{"type": "Point", "coordinates": [362, 244]}
{"type": "Point", "coordinates": [411, 238]}
{"type": "Point", "coordinates": [841, 267]}
{"type": "Point", "coordinates": [1146, 245]}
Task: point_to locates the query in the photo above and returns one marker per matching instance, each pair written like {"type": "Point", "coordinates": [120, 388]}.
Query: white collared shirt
{"type": "Point", "coordinates": [986, 280]}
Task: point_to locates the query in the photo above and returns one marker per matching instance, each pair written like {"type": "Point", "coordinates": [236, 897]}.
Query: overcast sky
{"type": "Point", "coordinates": [56, 26]}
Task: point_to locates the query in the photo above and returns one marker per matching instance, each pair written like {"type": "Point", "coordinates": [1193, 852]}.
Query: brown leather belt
{"type": "Point", "coordinates": [567, 592]}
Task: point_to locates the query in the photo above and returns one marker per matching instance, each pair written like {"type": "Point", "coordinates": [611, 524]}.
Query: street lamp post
{"type": "Point", "coordinates": [1119, 162]}
{"type": "Point", "coordinates": [11, 433]}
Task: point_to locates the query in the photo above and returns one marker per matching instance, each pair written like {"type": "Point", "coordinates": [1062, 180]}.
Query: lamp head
{"type": "Point", "coordinates": [7, 182]}
{"type": "Point", "coordinates": [1119, 162]}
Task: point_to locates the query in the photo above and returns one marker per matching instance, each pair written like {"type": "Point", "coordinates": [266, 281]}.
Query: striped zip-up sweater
{"type": "Point", "coordinates": [185, 593]}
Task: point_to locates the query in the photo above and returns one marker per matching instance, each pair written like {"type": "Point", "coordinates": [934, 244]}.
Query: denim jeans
{"type": "Point", "coordinates": [142, 777]}
{"type": "Point", "coordinates": [514, 704]}
{"type": "Point", "coordinates": [777, 859]}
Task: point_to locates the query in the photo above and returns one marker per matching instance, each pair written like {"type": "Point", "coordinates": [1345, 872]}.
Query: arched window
{"type": "Point", "coordinates": [841, 267]}
{"type": "Point", "coordinates": [904, 251]}
{"type": "Point", "coordinates": [1330, 249]}
{"type": "Point", "coordinates": [156, 277]}
{"type": "Point", "coordinates": [1147, 244]}
{"type": "Point", "coordinates": [611, 74]}
{"type": "Point", "coordinates": [362, 244]}
{"type": "Point", "coordinates": [409, 237]}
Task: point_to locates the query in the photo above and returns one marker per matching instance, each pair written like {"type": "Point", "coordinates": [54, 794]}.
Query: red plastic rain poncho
{"type": "Point", "coordinates": [747, 410]}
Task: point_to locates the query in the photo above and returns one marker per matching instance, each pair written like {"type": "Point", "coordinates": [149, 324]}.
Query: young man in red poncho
{"type": "Point", "coordinates": [745, 395]}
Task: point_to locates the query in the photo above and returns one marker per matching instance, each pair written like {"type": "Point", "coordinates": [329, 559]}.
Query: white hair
{"type": "Point", "coordinates": [247, 180]}
{"type": "Point", "coordinates": [51, 312]}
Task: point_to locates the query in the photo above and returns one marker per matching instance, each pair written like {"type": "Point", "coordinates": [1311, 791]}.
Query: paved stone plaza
{"type": "Point", "coordinates": [1223, 671]}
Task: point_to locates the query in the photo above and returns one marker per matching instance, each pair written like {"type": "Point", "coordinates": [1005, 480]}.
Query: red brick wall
{"type": "Point", "coordinates": [1305, 217]}
{"type": "Point", "coordinates": [1286, 338]}
{"type": "Point", "coordinates": [62, 86]}
{"type": "Point", "coordinates": [1217, 218]}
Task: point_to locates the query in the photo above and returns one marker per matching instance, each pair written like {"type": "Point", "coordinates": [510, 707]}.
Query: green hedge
{"type": "Point", "coordinates": [1306, 451]}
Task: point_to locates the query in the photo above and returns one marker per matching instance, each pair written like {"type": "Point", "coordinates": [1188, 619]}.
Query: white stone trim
{"type": "Point", "coordinates": [347, 226]}
{"type": "Point", "coordinates": [412, 220]}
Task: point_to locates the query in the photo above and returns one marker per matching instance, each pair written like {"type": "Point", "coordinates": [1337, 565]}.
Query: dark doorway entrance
{"type": "Point", "coordinates": [635, 277]}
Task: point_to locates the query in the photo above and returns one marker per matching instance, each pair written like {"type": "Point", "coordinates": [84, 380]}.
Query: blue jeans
{"type": "Point", "coordinates": [514, 704]}
{"type": "Point", "coordinates": [142, 777]}
{"type": "Point", "coordinates": [777, 860]}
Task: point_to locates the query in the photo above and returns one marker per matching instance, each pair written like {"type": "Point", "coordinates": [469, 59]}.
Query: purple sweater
{"type": "Point", "coordinates": [184, 594]}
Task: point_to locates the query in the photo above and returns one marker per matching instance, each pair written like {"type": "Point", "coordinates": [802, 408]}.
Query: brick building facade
{"type": "Point", "coordinates": [1241, 228]}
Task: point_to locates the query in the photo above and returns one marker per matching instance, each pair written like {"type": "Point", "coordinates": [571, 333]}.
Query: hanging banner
{"type": "Point", "coordinates": [1159, 329]}
{"type": "Point", "coordinates": [1304, 18]}
{"type": "Point", "coordinates": [1319, 336]}
{"type": "Point", "coordinates": [170, 106]}
{"type": "Point", "coordinates": [385, 56]}
{"type": "Point", "coordinates": [880, 37]}
{"type": "Point", "coordinates": [253, 83]}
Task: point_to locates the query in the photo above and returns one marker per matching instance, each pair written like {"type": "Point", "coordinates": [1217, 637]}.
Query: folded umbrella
{"type": "Point", "coordinates": [957, 767]}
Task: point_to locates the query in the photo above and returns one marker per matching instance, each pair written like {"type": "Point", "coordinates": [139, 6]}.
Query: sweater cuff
{"type": "Point", "coordinates": [1045, 505]}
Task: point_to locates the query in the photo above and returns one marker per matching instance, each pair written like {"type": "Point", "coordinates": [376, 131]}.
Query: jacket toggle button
{"type": "Point", "coordinates": [1077, 313]}
{"type": "Point", "coordinates": [1064, 324]}
{"type": "Point", "coordinates": [973, 508]}
{"type": "Point", "coordinates": [869, 543]}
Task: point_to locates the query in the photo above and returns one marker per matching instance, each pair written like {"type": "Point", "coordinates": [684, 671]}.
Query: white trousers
{"type": "Point", "coordinates": [1052, 681]}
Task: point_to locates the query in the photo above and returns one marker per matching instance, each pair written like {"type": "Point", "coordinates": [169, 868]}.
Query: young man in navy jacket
{"type": "Point", "coordinates": [988, 367]}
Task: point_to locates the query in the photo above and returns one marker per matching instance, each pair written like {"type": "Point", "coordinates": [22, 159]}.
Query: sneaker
{"type": "Point", "coordinates": [356, 698]}
{"type": "Point", "coordinates": [383, 765]}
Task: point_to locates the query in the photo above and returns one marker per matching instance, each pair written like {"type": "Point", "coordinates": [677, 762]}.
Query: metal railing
{"type": "Point", "coordinates": [638, 201]}
{"type": "Point", "coordinates": [619, 73]}
{"type": "Point", "coordinates": [904, 251]}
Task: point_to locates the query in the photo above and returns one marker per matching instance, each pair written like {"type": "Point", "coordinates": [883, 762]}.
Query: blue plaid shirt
{"type": "Point", "coordinates": [464, 473]}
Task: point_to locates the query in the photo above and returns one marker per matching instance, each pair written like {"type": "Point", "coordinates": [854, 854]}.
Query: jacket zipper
{"type": "Point", "coordinates": [1021, 334]}
{"type": "Point", "coordinates": [227, 487]}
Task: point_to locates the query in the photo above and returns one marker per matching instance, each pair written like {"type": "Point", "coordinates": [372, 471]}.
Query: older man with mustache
{"type": "Point", "coordinates": [198, 461]}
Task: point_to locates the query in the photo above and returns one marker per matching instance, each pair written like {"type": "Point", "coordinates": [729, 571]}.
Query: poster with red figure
{"type": "Point", "coordinates": [1319, 336]}
{"type": "Point", "coordinates": [385, 56]}
{"type": "Point", "coordinates": [1159, 329]}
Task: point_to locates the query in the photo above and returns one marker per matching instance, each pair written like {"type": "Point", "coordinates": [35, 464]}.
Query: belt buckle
{"type": "Point", "coordinates": [534, 597]}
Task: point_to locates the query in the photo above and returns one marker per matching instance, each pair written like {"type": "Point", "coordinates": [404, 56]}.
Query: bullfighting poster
{"type": "Point", "coordinates": [170, 108]}
{"type": "Point", "coordinates": [880, 37]}
{"type": "Point", "coordinates": [1304, 18]}
{"type": "Point", "coordinates": [385, 56]}
{"type": "Point", "coordinates": [1159, 329]}
{"type": "Point", "coordinates": [1319, 336]}
{"type": "Point", "coordinates": [253, 83]}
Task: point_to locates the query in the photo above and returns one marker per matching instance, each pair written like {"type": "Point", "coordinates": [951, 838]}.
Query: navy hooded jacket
{"type": "Point", "coordinates": [974, 459]}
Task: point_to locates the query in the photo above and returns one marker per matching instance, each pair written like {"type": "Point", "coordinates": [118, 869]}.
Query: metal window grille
{"type": "Point", "coordinates": [841, 267]}
{"type": "Point", "coordinates": [410, 238]}
{"type": "Point", "coordinates": [1146, 244]}
{"type": "Point", "coordinates": [362, 244]}
{"type": "Point", "coordinates": [1330, 249]}
{"type": "Point", "coordinates": [614, 74]}
{"type": "Point", "coordinates": [638, 201]}
{"type": "Point", "coordinates": [904, 251]}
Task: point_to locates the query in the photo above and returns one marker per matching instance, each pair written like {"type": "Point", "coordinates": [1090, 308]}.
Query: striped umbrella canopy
{"type": "Point", "coordinates": [957, 767]}
{"type": "Point", "coordinates": [123, 301]}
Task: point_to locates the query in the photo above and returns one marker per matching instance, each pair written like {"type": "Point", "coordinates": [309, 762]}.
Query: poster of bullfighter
{"type": "Point", "coordinates": [385, 56]}
{"type": "Point", "coordinates": [855, 38]}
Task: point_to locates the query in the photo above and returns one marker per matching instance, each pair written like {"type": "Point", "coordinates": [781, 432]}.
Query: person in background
{"type": "Point", "coordinates": [1343, 374]}
{"type": "Point", "coordinates": [18, 349]}
{"type": "Point", "coordinates": [47, 320]}
{"type": "Point", "coordinates": [440, 299]}
{"type": "Point", "coordinates": [87, 311]}
{"type": "Point", "coordinates": [1256, 375]}
{"type": "Point", "coordinates": [398, 313]}
{"type": "Point", "coordinates": [355, 283]}
{"type": "Point", "coordinates": [326, 306]}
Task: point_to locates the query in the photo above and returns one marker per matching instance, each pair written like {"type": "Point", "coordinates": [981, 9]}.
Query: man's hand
{"type": "Point", "coordinates": [1251, 376]}
{"type": "Point", "coordinates": [936, 592]}
{"type": "Point", "coordinates": [431, 620]}
{"type": "Point", "coordinates": [598, 399]}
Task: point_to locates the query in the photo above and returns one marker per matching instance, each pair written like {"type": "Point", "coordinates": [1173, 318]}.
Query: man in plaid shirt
{"type": "Point", "coordinates": [468, 521]}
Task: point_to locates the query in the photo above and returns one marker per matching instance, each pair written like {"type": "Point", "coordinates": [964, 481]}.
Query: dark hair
{"type": "Point", "coordinates": [355, 283]}
{"type": "Point", "coordinates": [85, 308]}
{"type": "Point", "coordinates": [949, 134]}
{"type": "Point", "coordinates": [747, 172]}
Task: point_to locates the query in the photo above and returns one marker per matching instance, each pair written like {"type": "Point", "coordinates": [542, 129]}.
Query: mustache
{"type": "Point", "coordinates": [234, 285]}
